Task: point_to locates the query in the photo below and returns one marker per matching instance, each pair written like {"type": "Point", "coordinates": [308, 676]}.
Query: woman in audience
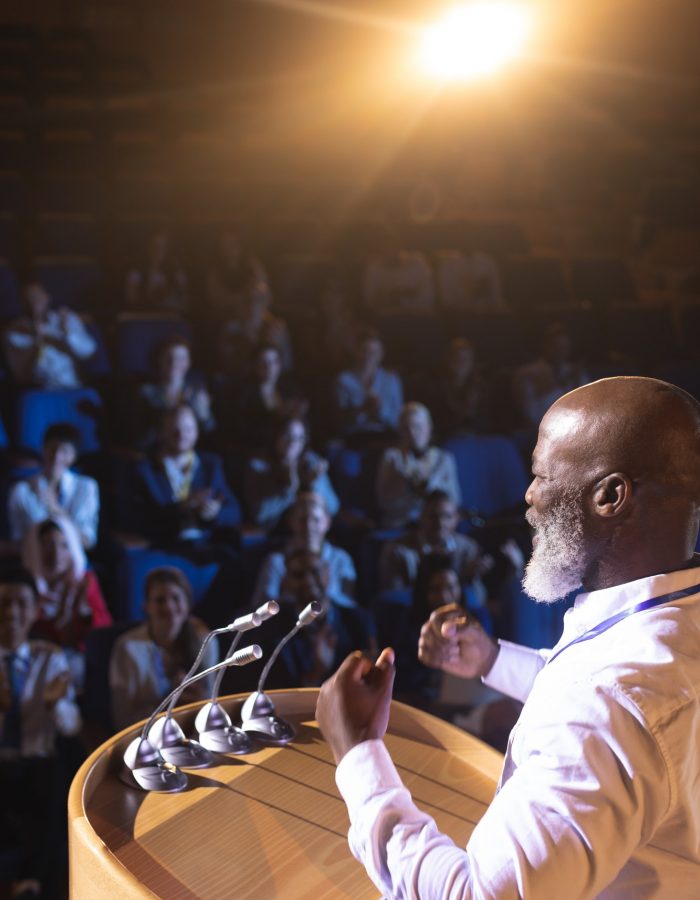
{"type": "Point", "coordinates": [150, 660]}
{"type": "Point", "coordinates": [56, 490]}
{"type": "Point", "coordinates": [265, 395]}
{"type": "Point", "coordinates": [274, 479]}
{"type": "Point", "coordinates": [409, 472]}
{"type": "Point", "coordinates": [175, 383]}
{"type": "Point", "coordinates": [159, 282]}
{"type": "Point", "coordinates": [252, 326]}
{"type": "Point", "coordinates": [181, 495]}
{"type": "Point", "coordinates": [70, 599]}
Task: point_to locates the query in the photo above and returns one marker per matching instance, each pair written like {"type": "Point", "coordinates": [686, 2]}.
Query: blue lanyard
{"type": "Point", "coordinates": [613, 620]}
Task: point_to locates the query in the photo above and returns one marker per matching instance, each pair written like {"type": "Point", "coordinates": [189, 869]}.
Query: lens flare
{"type": "Point", "coordinates": [475, 40]}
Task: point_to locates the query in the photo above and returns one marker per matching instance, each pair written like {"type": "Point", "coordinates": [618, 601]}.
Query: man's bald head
{"type": "Point", "coordinates": [616, 489]}
{"type": "Point", "coordinates": [644, 427]}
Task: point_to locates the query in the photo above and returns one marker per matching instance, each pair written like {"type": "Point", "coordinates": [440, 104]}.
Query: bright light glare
{"type": "Point", "coordinates": [475, 40]}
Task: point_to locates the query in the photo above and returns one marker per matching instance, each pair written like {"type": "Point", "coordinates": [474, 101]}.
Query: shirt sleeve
{"type": "Point", "coordinates": [18, 513]}
{"type": "Point", "coordinates": [78, 338]}
{"type": "Point", "coordinates": [86, 512]}
{"type": "Point", "coordinates": [66, 715]}
{"type": "Point", "coordinates": [590, 789]}
{"type": "Point", "coordinates": [515, 670]}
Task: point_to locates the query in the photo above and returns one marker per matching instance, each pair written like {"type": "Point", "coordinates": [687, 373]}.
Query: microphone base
{"type": "Point", "coordinates": [231, 740]}
{"type": "Point", "coordinates": [162, 779]}
{"type": "Point", "coordinates": [270, 730]}
{"type": "Point", "coordinates": [187, 754]}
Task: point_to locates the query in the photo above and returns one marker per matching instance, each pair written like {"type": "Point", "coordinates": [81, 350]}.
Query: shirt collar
{"type": "Point", "coordinates": [593, 607]}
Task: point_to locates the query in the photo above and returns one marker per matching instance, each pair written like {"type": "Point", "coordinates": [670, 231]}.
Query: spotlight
{"type": "Point", "coordinates": [475, 40]}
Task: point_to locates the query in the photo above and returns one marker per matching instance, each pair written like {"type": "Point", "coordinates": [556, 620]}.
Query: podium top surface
{"type": "Point", "coordinates": [270, 824]}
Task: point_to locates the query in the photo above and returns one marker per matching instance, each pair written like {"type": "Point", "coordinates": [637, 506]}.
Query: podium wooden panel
{"type": "Point", "coordinates": [270, 824]}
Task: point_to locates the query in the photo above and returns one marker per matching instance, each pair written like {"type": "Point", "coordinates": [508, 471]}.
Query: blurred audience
{"type": "Point", "coordinates": [469, 281]}
{"type": "Point", "coordinates": [289, 467]}
{"type": "Point", "coordinates": [309, 522]}
{"type": "Point", "coordinates": [263, 396]}
{"type": "Point", "coordinates": [228, 274]}
{"type": "Point", "coordinates": [367, 398]}
{"type": "Point", "coordinates": [175, 382]}
{"type": "Point", "coordinates": [37, 708]}
{"type": "Point", "coordinates": [150, 660]}
{"type": "Point", "coordinates": [158, 282]}
{"type": "Point", "coordinates": [70, 598]}
{"type": "Point", "coordinates": [181, 495]}
{"type": "Point", "coordinates": [408, 473]}
{"type": "Point", "coordinates": [44, 349]}
{"type": "Point", "coordinates": [397, 280]}
{"type": "Point", "coordinates": [457, 395]}
{"type": "Point", "coordinates": [55, 490]}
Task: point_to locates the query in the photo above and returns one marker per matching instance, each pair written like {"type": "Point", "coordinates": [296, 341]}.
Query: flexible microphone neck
{"type": "Point", "coordinates": [262, 614]}
{"type": "Point", "coordinates": [239, 658]}
{"type": "Point", "coordinates": [306, 617]}
{"type": "Point", "coordinates": [241, 624]}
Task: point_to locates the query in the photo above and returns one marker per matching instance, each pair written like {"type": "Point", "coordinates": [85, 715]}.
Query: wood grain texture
{"type": "Point", "coordinates": [267, 825]}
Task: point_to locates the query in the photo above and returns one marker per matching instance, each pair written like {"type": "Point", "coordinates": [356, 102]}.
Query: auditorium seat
{"type": "Point", "coordinates": [492, 477]}
{"type": "Point", "coordinates": [34, 410]}
{"type": "Point", "coordinates": [69, 234]}
{"type": "Point", "coordinates": [96, 699]}
{"type": "Point", "coordinates": [138, 336]}
{"type": "Point", "coordinates": [10, 297]}
{"type": "Point", "coordinates": [353, 475]}
{"type": "Point", "coordinates": [533, 282]}
{"type": "Point", "coordinates": [602, 282]}
{"type": "Point", "coordinates": [68, 193]}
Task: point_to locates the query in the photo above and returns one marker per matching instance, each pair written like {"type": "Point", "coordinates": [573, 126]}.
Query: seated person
{"type": "Point", "coordinates": [335, 328]}
{"type": "Point", "coordinates": [228, 274]}
{"type": "Point", "coordinates": [263, 396]}
{"type": "Point", "coordinates": [309, 522]}
{"type": "Point", "coordinates": [437, 583]}
{"type": "Point", "coordinates": [367, 398]}
{"type": "Point", "coordinates": [274, 479]}
{"type": "Point", "coordinates": [319, 648]}
{"type": "Point", "coordinates": [457, 394]}
{"type": "Point", "coordinates": [175, 383]}
{"type": "Point", "coordinates": [182, 495]}
{"type": "Point", "coordinates": [70, 599]}
{"type": "Point", "coordinates": [469, 281]}
{"type": "Point", "coordinates": [56, 490]}
{"type": "Point", "coordinates": [36, 706]}
{"type": "Point", "coordinates": [158, 282]}
{"type": "Point", "coordinates": [538, 384]}
{"type": "Point", "coordinates": [45, 348]}
{"type": "Point", "coordinates": [397, 280]}
{"type": "Point", "coordinates": [150, 660]}
{"type": "Point", "coordinates": [252, 325]}
{"type": "Point", "coordinates": [436, 533]}
{"type": "Point", "coordinates": [409, 472]}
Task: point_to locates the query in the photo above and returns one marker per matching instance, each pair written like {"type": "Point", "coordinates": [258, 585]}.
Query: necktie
{"type": "Point", "coordinates": [12, 727]}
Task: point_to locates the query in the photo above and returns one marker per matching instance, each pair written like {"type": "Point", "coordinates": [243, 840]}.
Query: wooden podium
{"type": "Point", "coordinates": [267, 825]}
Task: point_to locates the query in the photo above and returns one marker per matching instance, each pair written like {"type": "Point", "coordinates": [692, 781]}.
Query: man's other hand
{"type": "Point", "coordinates": [453, 641]}
{"type": "Point", "coordinates": [353, 705]}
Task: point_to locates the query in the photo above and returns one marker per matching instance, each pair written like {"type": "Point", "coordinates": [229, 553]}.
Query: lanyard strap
{"type": "Point", "coordinates": [613, 620]}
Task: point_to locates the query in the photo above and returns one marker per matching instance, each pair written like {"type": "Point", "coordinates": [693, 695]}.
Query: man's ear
{"type": "Point", "coordinates": [611, 495]}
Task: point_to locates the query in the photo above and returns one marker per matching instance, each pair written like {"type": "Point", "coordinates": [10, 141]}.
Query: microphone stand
{"type": "Point", "coordinates": [257, 713]}
{"type": "Point", "coordinates": [214, 727]}
{"type": "Point", "coordinates": [166, 734]}
{"type": "Point", "coordinates": [145, 766]}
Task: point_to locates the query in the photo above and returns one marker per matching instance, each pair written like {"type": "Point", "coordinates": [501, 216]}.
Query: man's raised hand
{"type": "Point", "coordinates": [453, 641]}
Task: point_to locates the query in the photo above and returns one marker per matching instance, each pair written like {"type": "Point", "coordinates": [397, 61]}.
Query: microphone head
{"type": "Point", "coordinates": [245, 655]}
{"type": "Point", "coordinates": [309, 613]}
{"type": "Point", "coordinates": [268, 610]}
{"type": "Point", "coordinates": [245, 623]}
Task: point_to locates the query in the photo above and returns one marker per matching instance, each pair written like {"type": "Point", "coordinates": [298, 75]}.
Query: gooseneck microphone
{"type": "Point", "coordinates": [166, 734]}
{"type": "Point", "coordinates": [257, 713]}
{"type": "Point", "coordinates": [145, 765]}
{"type": "Point", "coordinates": [214, 727]}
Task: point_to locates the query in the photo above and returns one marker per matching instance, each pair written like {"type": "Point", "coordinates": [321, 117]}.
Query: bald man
{"type": "Point", "coordinates": [600, 790]}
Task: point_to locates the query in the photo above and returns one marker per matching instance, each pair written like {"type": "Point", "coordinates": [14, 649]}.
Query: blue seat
{"type": "Point", "coordinates": [353, 474]}
{"type": "Point", "coordinates": [138, 336]}
{"type": "Point", "coordinates": [96, 700]}
{"type": "Point", "coordinates": [35, 410]}
{"type": "Point", "coordinates": [71, 281]}
{"type": "Point", "coordinates": [137, 563]}
{"type": "Point", "coordinates": [492, 477]}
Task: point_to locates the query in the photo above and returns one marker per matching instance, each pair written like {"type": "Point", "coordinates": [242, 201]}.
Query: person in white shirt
{"type": "Point", "coordinates": [56, 491]}
{"type": "Point", "coordinates": [44, 348]}
{"type": "Point", "coordinates": [36, 706]}
{"type": "Point", "coordinates": [599, 791]}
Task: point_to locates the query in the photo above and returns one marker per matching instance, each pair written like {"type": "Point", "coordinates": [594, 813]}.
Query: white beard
{"type": "Point", "coordinates": [557, 564]}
